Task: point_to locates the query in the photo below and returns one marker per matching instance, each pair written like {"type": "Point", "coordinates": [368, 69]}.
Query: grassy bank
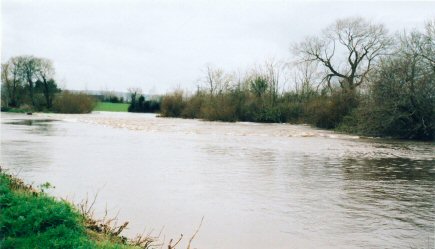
{"type": "Point", "coordinates": [32, 219]}
{"type": "Point", "coordinates": [14, 110]}
{"type": "Point", "coordinates": [111, 107]}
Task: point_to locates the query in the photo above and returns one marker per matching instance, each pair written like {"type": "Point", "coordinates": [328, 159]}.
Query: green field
{"type": "Point", "coordinates": [111, 107]}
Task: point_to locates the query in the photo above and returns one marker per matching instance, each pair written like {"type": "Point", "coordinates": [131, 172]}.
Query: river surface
{"type": "Point", "coordinates": [256, 185]}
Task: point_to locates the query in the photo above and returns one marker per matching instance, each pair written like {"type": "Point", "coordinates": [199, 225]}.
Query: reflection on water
{"type": "Point", "coordinates": [41, 126]}
{"type": "Point", "coordinates": [258, 185]}
{"type": "Point", "coordinates": [41, 122]}
{"type": "Point", "coordinates": [389, 169]}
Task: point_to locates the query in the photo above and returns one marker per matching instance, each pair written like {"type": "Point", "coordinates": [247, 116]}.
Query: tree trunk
{"type": "Point", "coordinates": [30, 82]}
{"type": "Point", "coordinates": [47, 93]}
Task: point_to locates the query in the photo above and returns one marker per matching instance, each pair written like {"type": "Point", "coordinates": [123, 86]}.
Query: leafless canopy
{"type": "Point", "coordinates": [216, 80]}
{"type": "Point", "coordinates": [21, 70]}
{"type": "Point", "coordinates": [348, 50]}
{"type": "Point", "coordinates": [134, 92]}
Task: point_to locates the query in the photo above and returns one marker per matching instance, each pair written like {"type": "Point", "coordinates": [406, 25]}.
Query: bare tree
{"type": "Point", "coordinates": [217, 81]}
{"type": "Point", "coordinates": [272, 70]}
{"type": "Point", "coordinates": [403, 90]}
{"type": "Point", "coordinates": [134, 92]}
{"type": "Point", "coordinates": [10, 76]}
{"type": "Point", "coordinates": [348, 50]}
{"type": "Point", "coordinates": [306, 78]}
{"type": "Point", "coordinates": [424, 43]}
{"type": "Point", "coordinates": [266, 78]}
{"type": "Point", "coordinates": [6, 90]}
{"type": "Point", "coordinates": [211, 79]}
{"type": "Point", "coordinates": [28, 72]}
{"type": "Point", "coordinates": [45, 73]}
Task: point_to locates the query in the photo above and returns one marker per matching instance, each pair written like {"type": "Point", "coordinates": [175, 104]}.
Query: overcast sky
{"type": "Point", "coordinates": [159, 45]}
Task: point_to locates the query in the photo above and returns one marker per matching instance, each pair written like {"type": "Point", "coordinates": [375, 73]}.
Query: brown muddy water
{"type": "Point", "coordinates": [257, 185]}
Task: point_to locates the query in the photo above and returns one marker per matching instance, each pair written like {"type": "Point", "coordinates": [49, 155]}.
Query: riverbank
{"type": "Point", "coordinates": [342, 111]}
{"type": "Point", "coordinates": [15, 110]}
{"type": "Point", "coordinates": [30, 218]}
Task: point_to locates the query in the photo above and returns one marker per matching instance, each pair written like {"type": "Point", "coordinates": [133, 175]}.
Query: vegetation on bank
{"type": "Point", "coordinates": [32, 219]}
{"type": "Point", "coordinates": [28, 85]}
{"type": "Point", "coordinates": [68, 102]}
{"type": "Point", "coordinates": [29, 218]}
{"type": "Point", "coordinates": [354, 78]}
{"type": "Point", "coordinates": [138, 102]}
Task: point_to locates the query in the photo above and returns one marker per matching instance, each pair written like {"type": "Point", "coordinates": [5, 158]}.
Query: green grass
{"type": "Point", "coordinates": [14, 110]}
{"type": "Point", "coordinates": [111, 107]}
{"type": "Point", "coordinates": [36, 220]}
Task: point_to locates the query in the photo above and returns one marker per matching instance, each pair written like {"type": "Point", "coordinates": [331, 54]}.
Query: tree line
{"type": "Point", "coordinates": [354, 77]}
{"type": "Point", "coordinates": [28, 84]}
{"type": "Point", "coordinates": [138, 102]}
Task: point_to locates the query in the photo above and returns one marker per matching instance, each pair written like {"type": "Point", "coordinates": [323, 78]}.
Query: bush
{"type": "Point", "coordinates": [193, 106]}
{"type": "Point", "coordinates": [172, 104]}
{"type": "Point", "coordinates": [245, 105]}
{"type": "Point", "coordinates": [329, 111]}
{"type": "Point", "coordinates": [68, 102]}
{"type": "Point", "coordinates": [219, 108]}
{"type": "Point", "coordinates": [292, 112]}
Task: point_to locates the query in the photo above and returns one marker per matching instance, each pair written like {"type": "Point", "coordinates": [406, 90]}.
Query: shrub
{"type": "Point", "coordinates": [292, 112]}
{"type": "Point", "coordinates": [193, 107]}
{"type": "Point", "coordinates": [172, 104]}
{"type": "Point", "coordinates": [68, 102]}
{"type": "Point", "coordinates": [328, 111]}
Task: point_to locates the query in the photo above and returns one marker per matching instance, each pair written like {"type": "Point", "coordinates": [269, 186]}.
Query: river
{"type": "Point", "coordinates": [256, 185]}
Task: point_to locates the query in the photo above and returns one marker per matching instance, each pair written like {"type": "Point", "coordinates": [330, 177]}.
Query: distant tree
{"type": "Point", "coordinates": [144, 105]}
{"type": "Point", "coordinates": [306, 79]}
{"type": "Point", "coordinates": [12, 81]}
{"type": "Point", "coordinates": [133, 92]}
{"type": "Point", "coordinates": [113, 99]}
{"type": "Point", "coordinates": [217, 81]}
{"type": "Point", "coordinates": [28, 75]}
{"type": "Point", "coordinates": [272, 70]}
{"type": "Point", "coordinates": [347, 50]}
{"type": "Point", "coordinates": [45, 73]}
{"type": "Point", "coordinates": [49, 89]}
{"type": "Point", "coordinates": [29, 66]}
{"type": "Point", "coordinates": [110, 96]}
{"type": "Point", "coordinates": [7, 86]}
{"type": "Point", "coordinates": [211, 79]}
{"type": "Point", "coordinates": [140, 103]}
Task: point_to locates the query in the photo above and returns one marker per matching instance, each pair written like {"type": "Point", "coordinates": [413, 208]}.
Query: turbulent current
{"type": "Point", "coordinates": [256, 185]}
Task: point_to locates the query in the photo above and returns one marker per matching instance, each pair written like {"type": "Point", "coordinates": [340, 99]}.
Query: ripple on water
{"type": "Point", "coordinates": [286, 184]}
